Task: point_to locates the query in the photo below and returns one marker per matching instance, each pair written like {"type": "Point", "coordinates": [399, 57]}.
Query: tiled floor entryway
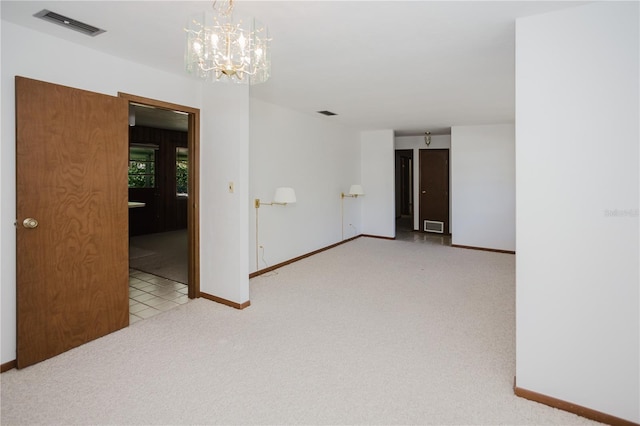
{"type": "Point", "coordinates": [150, 295]}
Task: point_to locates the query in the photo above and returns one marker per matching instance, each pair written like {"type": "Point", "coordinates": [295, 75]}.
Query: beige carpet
{"type": "Point", "coordinates": [370, 332]}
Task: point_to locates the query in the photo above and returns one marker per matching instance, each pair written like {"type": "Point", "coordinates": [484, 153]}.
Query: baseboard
{"type": "Point", "coordinates": [295, 259]}
{"type": "Point", "coordinates": [483, 249]}
{"type": "Point", "coordinates": [378, 236]}
{"type": "Point", "coordinates": [225, 301]}
{"type": "Point", "coordinates": [572, 408]}
{"type": "Point", "coordinates": [8, 366]}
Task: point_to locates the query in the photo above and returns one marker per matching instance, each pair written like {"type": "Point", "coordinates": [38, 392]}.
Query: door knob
{"type": "Point", "coordinates": [424, 192]}
{"type": "Point", "coordinates": [30, 223]}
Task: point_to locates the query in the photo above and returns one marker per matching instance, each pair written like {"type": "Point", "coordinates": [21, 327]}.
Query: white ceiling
{"type": "Point", "coordinates": [409, 66]}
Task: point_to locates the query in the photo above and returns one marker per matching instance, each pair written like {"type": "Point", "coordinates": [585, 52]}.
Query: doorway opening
{"type": "Point", "coordinates": [163, 199]}
{"type": "Point", "coordinates": [404, 191]}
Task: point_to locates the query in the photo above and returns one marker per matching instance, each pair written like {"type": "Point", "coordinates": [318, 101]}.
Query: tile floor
{"type": "Point", "coordinates": [150, 295]}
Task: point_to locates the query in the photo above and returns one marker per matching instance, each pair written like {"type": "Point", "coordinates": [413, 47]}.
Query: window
{"type": "Point", "coordinates": [142, 167]}
{"type": "Point", "coordinates": [182, 172]}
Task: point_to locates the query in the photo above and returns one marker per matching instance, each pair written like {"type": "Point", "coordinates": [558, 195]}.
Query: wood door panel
{"type": "Point", "coordinates": [71, 173]}
{"type": "Point", "coordinates": [434, 186]}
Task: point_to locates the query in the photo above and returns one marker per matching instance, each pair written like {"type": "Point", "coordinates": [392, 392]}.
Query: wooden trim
{"type": "Point", "coordinates": [572, 408]}
{"type": "Point", "coordinates": [295, 259]}
{"type": "Point", "coordinates": [483, 249]}
{"type": "Point", "coordinates": [158, 104]}
{"type": "Point", "coordinates": [379, 236]}
{"type": "Point", "coordinates": [225, 301]}
{"type": "Point", "coordinates": [8, 366]}
{"type": "Point", "coordinates": [193, 209]}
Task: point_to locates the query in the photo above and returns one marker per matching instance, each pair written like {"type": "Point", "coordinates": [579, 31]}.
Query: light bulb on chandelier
{"type": "Point", "coordinates": [220, 49]}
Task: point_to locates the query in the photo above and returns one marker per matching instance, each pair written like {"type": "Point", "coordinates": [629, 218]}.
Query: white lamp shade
{"type": "Point", "coordinates": [356, 190]}
{"type": "Point", "coordinates": [284, 196]}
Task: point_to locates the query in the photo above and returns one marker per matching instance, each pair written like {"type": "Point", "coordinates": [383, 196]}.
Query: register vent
{"type": "Point", "coordinates": [434, 226]}
{"type": "Point", "coordinates": [66, 22]}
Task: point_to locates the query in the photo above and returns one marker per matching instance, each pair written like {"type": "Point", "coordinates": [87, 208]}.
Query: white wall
{"type": "Point", "coordinates": [224, 158]}
{"type": "Point", "coordinates": [378, 181]}
{"type": "Point", "coordinates": [483, 193]}
{"type": "Point", "coordinates": [224, 142]}
{"type": "Point", "coordinates": [416, 143]}
{"type": "Point", "coordinates": [577, 201]}
{"type": "Point", "coordinates": [319, 160]}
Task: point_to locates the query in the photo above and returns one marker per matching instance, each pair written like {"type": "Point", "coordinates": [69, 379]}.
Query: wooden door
{"type": "Point", "coordinates": [434, 189]}
{"type": "Point", "coordinates": [71, 176]}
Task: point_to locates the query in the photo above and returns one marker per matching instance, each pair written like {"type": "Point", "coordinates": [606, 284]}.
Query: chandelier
{"type": "Point", "coordinates": [219, 49]}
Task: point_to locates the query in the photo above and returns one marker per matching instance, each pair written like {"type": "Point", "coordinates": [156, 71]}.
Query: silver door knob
{"type": "Point", "coordinates": [30, 223]}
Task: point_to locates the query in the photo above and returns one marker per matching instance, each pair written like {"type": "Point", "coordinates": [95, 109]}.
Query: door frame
{"type": "Point", "coordinates": [193, 186]}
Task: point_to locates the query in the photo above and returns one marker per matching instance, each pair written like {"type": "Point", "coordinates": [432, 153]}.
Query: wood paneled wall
{"type": "Point", "coordinates": [164, 211]}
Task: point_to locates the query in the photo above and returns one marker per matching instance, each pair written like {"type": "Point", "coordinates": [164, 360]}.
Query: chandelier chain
{"type": "Point", "coordinates": [224, 10]}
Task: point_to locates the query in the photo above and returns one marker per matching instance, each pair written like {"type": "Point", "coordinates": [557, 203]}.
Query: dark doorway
{"type": "Point", "coordinates": [434, 190]}
{"type": "Point", "coordinates": [404, 183]}
{"type": "Point", "coordinates": [158, 167]}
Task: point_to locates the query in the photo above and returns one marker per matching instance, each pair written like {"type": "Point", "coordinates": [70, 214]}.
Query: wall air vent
{"type": "Point", "coordinates": [87, 29]}
{"type": "Point", "coordinates": [434, 226]}
{"type": "Point", "coordinates": [327, 113]}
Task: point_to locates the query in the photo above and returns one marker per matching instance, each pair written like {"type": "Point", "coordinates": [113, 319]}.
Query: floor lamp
{"type": "Point", "coordinates": [354, 191]}
{"type": "Point", "coordinates": [282, 197]}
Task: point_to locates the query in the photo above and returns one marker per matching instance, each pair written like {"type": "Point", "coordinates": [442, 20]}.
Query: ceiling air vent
{"type": "Point", "coordinates": [327, 113]}
{"type": "Point", "coordinates": [87, 29]}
